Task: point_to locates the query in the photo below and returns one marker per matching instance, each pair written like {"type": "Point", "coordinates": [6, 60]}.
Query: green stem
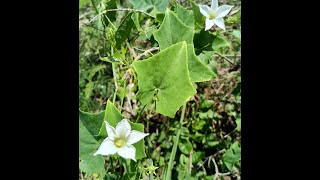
{"type": "Point", "coordinates": [140, 113]}
{"type": "Point", "coordinates": [125, 164]}
{"type": "Point", "coordinates": [95, 7]}
{"type": "Point", "coordinates": [151, 177]}
{"type": "Point", "coordinates": [114, 78]}
{"type": "Point", "coordinates": [175, 145]}
{"type": "Point", "coordinates": [124, 93]}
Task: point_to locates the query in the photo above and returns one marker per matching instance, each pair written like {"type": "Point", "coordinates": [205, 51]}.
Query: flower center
{"type": "Point", "coordinates": [212, 14]}
{"type": "Point", "coordinates": [120, 142]}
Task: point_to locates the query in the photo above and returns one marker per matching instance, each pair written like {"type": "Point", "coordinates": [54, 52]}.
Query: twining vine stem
{"type": "Point", "coordinates": [108, 10]}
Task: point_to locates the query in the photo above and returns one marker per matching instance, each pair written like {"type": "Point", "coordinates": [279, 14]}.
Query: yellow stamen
{"type": "Point", "coordinates": [212, 14]}
{"type": "Point", "coordinates": [119, 142]}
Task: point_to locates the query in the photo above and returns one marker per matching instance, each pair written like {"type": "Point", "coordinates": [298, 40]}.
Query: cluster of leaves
{"type": "Point", "coordinates": [212, 122]}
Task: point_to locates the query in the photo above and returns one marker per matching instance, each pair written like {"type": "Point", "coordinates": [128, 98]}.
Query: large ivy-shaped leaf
{"type": "Point", "coordinates": [199, 72]}
{"type": "Point", "coordinates": [113, 117]}
{"type": "Point", "coordinates": [186, 16]}
{"type": "Point", "coordinates": [88, 145]}
{"type": "Point", "coordinates": [173, 31]}
{"type": "Point", "coordinates": [154, 6]}
{"type": "Point", "coordinates": [165, 76]}
{"type": "Point", "coordinates": [92, 121]}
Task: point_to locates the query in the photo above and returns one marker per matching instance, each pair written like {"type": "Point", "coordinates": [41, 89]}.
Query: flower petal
{"type": "Point", "coordinates": [107, 147]}
{"type": "Point", "coordinates": [223, 10]}
{"type": "Point", "coordinates": [220, 23]}
{"type": "Point", "coordinates": [110, 130]}
{"type": "Point", "coordinates": [123, 128]}
{"type": "Point", "coordinates": [128, 152]}
{"type": "Point", "coordinates": [204, 9]}
{"type": "Point", "coordinates": [209, 23]}
{"type": "Point", "coordinates": [214, 4]}
{"type": "Point", "coordinates": [135, 136]}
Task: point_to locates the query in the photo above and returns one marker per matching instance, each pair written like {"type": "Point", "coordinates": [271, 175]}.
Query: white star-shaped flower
{"type": "Point", "coordinates": [120, 140]}
{"type": "Point", "coordinates": [215, 14]}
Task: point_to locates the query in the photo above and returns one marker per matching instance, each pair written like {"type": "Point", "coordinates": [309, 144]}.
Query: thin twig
{"type": "Point", "coordinates": [88, 25]}
{"type": "Point", "coordinates": [146, 52]}
{"type": "Point", "coordinates": [217, 174]}
{"type": "Point", "coordinates": [133, 53]}
{"type": "Point", "coordinates": [140, 113]}
{"type": "Point", "coordinates": [95, 17]}
{"type": "Point", "coordinates": [81, 175]}
{"type": "Point", "coordinates": [216, 169]}
{"type": "Point", "coordinates": [228, 55]}
{"type": "Point", "coordinates": [225, 136]}
{"type": "Point", "coordinates": [224, 58]}
{"type": "Point", "coordinates": [131, 10]}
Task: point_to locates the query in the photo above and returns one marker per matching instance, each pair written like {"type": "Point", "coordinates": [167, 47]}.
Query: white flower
{"type": "Point", "coordinates": [120, 140]}
{"type": "Point", "coordinates": [215, 14]}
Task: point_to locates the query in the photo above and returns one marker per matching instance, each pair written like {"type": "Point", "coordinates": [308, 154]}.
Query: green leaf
{"type": "Point", "coordinates": [105, 5]}
{"type": "Point", "coordinates": [186, 16]}
{"type": "Point", "coordinates": [203, 41]}
{"type": "Point", "coordinates": [219, 42]}
{"type": "Point", "coordinates": [207, 103]}
{"type": "Point", "coordinates": [199, 19]}
{"type": "Point", "coordinates": [129, 176]}
{"type": "Point", "coordinates": [237, 34]}
{"type": "Point", "coordinates": [197, 156]}
{"type": "Point", "coordinates": [185, 146]}
{"type": "Point", "coordinates": [199, 72]}
{"type": "Point", "coordinates": [88, 146]}
{"type": "Point", "coordinates": [155, 6]}
{"type": "Point", "coordinates": [238, 122]}
{"type": "Point", "coordinates": [165, 77]}
{"type": "Point", "coordinates": [198, 124]}
{"type": "Point", "coordinates": [88, 90]}
{"type": "Point", "coordinates": [173, 31]}
{"type": "Point", "coordinates": [111, 4]}
{"type": "Point", "coordinates": [206, 58]}
{"type": "Point", "coordinates": [140, 148]}
{"type": "Point", "coordinates": [124, 30]}
{"type": "Point", "coordinates": [95, 70]}
{"type": "Point", "coordinates": [83, 3]}
{"type": "Point", "coordinates": [113, 117]}
{"type": "Point", "coordinates": [159, 17]}
{"type": "Point", "coordinates": [92, 121]}
{"type": "Point", "coordinates": [136, 17]}
{"type": "Point", "coordinates": [232, 155]}
{"type": "Point", "coordinates": [141, 5]}
{"type": "Point", "coordinates": [110, 59]}
{"type": "Point", "coordinates": [234, 18]}
{"type": "Point", "coordinates": [111, 177]}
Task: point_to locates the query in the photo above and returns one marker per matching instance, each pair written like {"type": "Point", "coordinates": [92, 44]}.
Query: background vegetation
{"type": "Point", "coordinates": [211, 136]}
